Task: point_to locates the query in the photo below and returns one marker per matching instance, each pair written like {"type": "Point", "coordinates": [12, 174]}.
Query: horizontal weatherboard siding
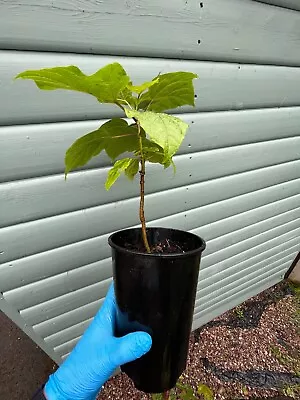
{"type": "Point", "coordinates": [291, 4]}
{"type": "Point", "coordinates": [62, 304]}
{"type": "Point", "coordinates": [227, 30]}
{"type": "Point", "coordinates": [251, 289]}
{"type": "Point", "coordinates": [238, 170]}
{"type": "Point", "coordinates": [227, 215]}
{"type": "Point", "coordinates": [206, 287]}
{"type": "Point", "coordinates": [65, 335]}
{"type": "Point", "coordinates": [216, 256]}
{"type": "Point", "coordinates": [221, 86]}
{"type": "Point", "coordinates": [218, 293]}
{"type": "Point", "coordinates": [25, 200]}
{"type": "Point", "coordinates": [207, 301]}
{"type": "Point", "coordinates": [209, 283]}
{"type": "Point", "coordinates": [39, 149]}
{"type": "Point", "coordinates": [75, 299]}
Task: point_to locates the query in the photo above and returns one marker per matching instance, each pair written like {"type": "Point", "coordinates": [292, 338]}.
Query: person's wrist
{"type": "Point", "coordinates": [52, 391]}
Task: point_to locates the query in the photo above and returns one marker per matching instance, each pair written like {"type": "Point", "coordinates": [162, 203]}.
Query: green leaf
{"type": "Point", "coordinates": [157, 396]}
{"type": "Point", "coordinates": [105, 84]}
{"type": "Point", "coordinates": [115, 137]}
{"type": "Point", "coordinates": [174, 89]}
{"type": "Point", "coordinates": [155, 154]}
{"type": "Point", "coordinates": [141, 88]}
{"type": "Point", "coordinates": [186, 391]}
{"type": "Point", "coordinates": [206, 392]}
{"type": "Point", "coordinates": [115, 172]}
{"type": "Point", "coordinates": [132, 169]}
{"type": "Point", "coordinates": [152, 152]}
{"type": "Point", "coordinates": [165, 130]}
{"type": "Point", "coordinates": [126, 98]}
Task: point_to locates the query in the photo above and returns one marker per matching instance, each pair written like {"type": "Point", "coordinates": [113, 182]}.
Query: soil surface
{"type": "Point", "coordinates": [251, 352]}
{"type": "Point", "coordinates": [167, 246]}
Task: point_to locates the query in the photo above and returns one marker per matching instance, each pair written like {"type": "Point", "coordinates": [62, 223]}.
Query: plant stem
{"type": "Point", "coordinates": [142, 191]}
{"type": "Point", "coordinates": [166, 395]}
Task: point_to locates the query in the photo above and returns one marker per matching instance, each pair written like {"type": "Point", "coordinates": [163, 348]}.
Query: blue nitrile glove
{"type": "Point", "coordinates": [95, 357]}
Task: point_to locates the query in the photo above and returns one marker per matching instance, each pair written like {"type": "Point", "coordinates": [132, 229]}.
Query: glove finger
{"type": "Point", "coordinates": [130, 347]}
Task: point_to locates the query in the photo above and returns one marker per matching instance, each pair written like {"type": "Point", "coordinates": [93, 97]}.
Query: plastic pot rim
{"type": "Point", "coordinates": [188, 253]}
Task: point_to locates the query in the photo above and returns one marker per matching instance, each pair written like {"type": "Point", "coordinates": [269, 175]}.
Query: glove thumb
{"type": "Point", "coordinates": [130, 347]}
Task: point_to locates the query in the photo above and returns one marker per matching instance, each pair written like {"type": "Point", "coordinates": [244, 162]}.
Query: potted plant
{"type": "Point", "coordinates": [155, 269]}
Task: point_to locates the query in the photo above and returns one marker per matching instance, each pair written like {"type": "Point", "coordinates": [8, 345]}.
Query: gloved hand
{"type": "Point", "coordinates": [95, 357]}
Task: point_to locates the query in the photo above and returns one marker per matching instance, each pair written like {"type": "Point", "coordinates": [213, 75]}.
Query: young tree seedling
{"type": "Point", "coordinates": [151, 136]}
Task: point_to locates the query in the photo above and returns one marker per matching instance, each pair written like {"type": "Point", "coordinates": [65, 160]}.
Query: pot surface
{"type": "Point", "coordinates": [156, 293]}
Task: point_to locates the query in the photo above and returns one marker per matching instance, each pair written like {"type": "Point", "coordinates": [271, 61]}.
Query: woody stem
{"type": "Point", "coordinates": [142, 191]}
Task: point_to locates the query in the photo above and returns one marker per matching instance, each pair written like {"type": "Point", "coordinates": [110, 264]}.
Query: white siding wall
{"type": "Point", "coordinates": [238, 171]}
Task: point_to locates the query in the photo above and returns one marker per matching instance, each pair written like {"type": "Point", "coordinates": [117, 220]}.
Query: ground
{"type": "Point", "coordinates": [251, 352]}
{"type": "Point", "coordinates": [24, 366]}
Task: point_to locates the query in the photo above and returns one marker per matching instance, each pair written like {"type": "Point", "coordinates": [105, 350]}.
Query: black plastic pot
{"type": "Point", "coordinates": [156, 293]}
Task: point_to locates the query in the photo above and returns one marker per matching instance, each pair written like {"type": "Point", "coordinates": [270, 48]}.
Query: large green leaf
{"type": "Point", "coordinates": [171, 90]}
{"type": "Point", "coordinates": [115, 137]}
{"type": "Point", "coordinates": [106, 84]}
{"type": "Point", "coordinates": [124, 165]}
{"type": "Point", "coordinates": [165, 130]}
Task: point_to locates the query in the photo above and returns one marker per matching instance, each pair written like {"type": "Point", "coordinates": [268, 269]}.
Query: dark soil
{"type": "Point", "coordinates": [166, 247]}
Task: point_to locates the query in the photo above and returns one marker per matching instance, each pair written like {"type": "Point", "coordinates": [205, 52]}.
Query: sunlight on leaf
{"type": "Point", "coordinates": [162, 134]}
{"type": "Point", "coordinates": [105, 84]}
{"type": "Point", "coordinates": [141, 88]}
{"type": "Point", "coordinates": [165, 130]}
{"type": "Point", "coordinates": [174, 89]}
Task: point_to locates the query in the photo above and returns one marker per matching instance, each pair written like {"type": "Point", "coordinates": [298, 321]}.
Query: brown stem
{"type": "Point", "coordinates": [166, 395]}
{"type": "Point", "coordinates": [142, 192]}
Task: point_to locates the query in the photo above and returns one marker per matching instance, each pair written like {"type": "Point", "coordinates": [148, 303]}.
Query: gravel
{"type": "Point", "coordinates": [266, 344]}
